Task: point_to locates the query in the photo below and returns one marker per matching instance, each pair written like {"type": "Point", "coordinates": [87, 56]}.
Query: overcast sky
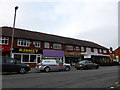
{"type": "Point", "coordinates": [91, 20]}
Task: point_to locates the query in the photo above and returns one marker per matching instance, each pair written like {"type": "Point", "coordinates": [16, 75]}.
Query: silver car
{"type": "Point", "coordinates": [52, 65]}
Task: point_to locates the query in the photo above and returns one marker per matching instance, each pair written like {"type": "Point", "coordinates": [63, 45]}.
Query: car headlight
{"type": "Point", "coordinates": [81, 64]}
{"type": "Point", "coordinates": [28, 65]}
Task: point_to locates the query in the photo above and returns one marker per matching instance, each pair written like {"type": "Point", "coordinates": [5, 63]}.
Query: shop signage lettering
{"type": "Point", "coordinates": [29, 50]}
{"type": "Point", "coordinates": [72, 53]}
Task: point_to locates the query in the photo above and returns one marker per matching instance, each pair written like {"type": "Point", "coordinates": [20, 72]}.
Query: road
{"type": "Point", "coordinates": [104, 77]}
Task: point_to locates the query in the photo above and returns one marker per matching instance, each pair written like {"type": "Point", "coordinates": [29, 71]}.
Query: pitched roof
{"type": "Point", "coordinates": [26, 34]}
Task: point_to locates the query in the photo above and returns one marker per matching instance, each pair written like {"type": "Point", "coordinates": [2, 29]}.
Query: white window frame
{"type": "Point", "coordinates": [104, 51]}
{"type": "Point", "coordinates": [37, 55]}
{"type": "Point", "coordinates": [77, 48]}
{"type": "Point", "coordinates": [82, 49]}
{"type": "Point", "coordinates": [88, 50]}
{"type": "Point", "coordinates": [37, 44]}
{"type": "Point", "coordinates": [57, 46]}
{"type": "Point", "coordinates": [4, 39]}
{"type": "Point", "coordinates": [95, 50]}
{"type": "Point", "coordinates": [69, 47]}
{"type": "Point", "coordinates": [46, 45]}
{"type": "Point", "coordinates": [100, 50]}
{"type": "Point", "coordinates": [27, 42]}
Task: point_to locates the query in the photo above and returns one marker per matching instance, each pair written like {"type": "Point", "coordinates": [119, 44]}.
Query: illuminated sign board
{"type": "Point", "coordinates": [27, 50]}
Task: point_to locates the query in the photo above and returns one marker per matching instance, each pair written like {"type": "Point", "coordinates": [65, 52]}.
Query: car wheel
{"type": "Point", "coordinates": [22, 70]}
{"type": "Point", "coordinates": [81, 68]}
{"type": "Point", "coordinates": [97, 67]}
{"type": "Point", "coordinates": [67, 68]}
{"type": "Point", "coordinates": [47, 69]}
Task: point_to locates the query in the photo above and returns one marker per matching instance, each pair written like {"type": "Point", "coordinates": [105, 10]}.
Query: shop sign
{"type": "Point", "coordinates": [53, 53]}
{"type": "Point", "coordinates": [72, 53]}
{"type": "Point", "coordinates": [4, 48]}
{"type": "Point", "coordinates": [83, 53]}
{"type": "Point", "coordinates": [27, 50]}
{"type": "Point", "coordinates": [87, 56]}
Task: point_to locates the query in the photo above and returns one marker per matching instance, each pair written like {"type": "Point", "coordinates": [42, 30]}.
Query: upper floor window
{"type": "Point", "coordinates": [46, 45]}
{"type": "Point", "coordinates": [77, 48]}
{"type": "Point", "coordinates": [69, 47]}
{"type": "Point", "coordinates": [36, 44]}
{"type": "Point", "coordinates": [100, 50]}
{"type": "Point", "coordinates": [82, 49]}
{"type": "Point", "coordinates": [88, 50]}
{"type": "Point", "coordinates": [57, 46]}
{"type": "Point", "coordinates": [23, 42]}
{"type": "Point", "coordinates": [104, 51]}
{"type": "Point", "coordinates": [4, 40]}
{"type": "Point", "coordinates": [96, 51]}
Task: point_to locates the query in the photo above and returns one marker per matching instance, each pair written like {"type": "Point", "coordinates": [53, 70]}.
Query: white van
{"type": "Point", "coordinates": [52, 65]}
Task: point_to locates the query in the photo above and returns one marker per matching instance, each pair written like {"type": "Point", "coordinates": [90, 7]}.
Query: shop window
{"type": "Point", "coordinates": [32, 58]}
{"type": "Point", "coordinates": [38, 59]}
{"type": "Point", "coordinates": [23, 42]}
{"type": "Point", "coordinates": [25, 58]}
{"type": "Point", "coordinates": [17, 56]}
{"type": "Point", "coordinates": [36, 44]}
{"type": "Point", "coordinates": [57, 46]}
{"type": "Point", "coordinates": [46, 45]}
{"type": "Point", "coordinates": [69, 47]}
{"type": "Point", "coordinates": [4, 40]}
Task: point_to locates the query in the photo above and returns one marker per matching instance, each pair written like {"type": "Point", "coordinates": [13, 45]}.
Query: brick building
{"type": "Point", "coordinates": [117, 53]}
{"type": "Point", "coordinates": [30, 47]}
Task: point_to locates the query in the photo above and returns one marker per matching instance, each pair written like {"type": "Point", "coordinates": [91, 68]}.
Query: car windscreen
{"type": "Point", "coordinates": [81, 62]}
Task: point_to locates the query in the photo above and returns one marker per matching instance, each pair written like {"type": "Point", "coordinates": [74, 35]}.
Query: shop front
{"type": "Point", "coordinates": [101, 59]}
{"type": "Point", "coordinates": [72, 57]}
{"type": "Point", "coordinates": [29, 56]}
{"type": "Point", "coordinates": [5, 50]}
{"type": "Point", "coordinates": [53, 54]}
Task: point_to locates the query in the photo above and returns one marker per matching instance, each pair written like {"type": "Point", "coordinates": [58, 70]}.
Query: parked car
{"type": "Point", "coordinates": [12, 65]}
{"type": "Point", "coordinates": [86, 64]}
{"type": "Point", "coordinates": [52, 65]}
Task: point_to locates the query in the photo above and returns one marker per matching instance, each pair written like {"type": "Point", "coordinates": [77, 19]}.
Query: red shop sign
{"type": "Point", "coordinates": [4, 48]}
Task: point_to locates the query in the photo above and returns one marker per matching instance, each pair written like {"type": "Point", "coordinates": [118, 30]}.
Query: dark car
{"type": "Point", "coordinates": [12, 65]}
{"type": "Point", "coordinates": [86, 64]}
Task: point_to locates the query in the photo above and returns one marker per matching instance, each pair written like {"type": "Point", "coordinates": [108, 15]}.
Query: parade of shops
{"type": "Point", "coordinates": [30, 47]}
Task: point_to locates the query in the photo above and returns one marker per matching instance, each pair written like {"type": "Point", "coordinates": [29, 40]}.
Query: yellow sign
{"type": "Point", "coordinates": [28, 50]}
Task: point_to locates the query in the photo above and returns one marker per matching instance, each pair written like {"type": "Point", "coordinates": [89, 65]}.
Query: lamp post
{"type": "Point", "coordinates": [13, 31]}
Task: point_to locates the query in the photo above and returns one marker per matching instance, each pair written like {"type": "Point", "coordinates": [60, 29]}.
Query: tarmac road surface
{"type": "Point", "coordinates": [104, 77]}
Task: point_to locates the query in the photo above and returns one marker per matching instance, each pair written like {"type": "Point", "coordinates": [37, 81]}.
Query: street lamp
{"type": "Point", "coordinates": [13, 31]}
